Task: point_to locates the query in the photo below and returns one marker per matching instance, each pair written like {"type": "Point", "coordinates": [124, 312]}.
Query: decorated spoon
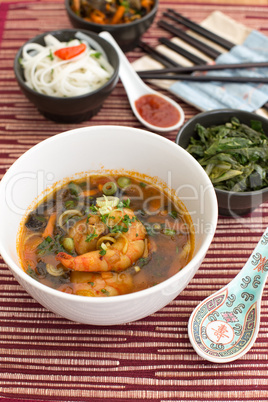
{"type": "Point", "coordinates": [136, 89]}
{"type": "Point", "coordinates": [225, 325]}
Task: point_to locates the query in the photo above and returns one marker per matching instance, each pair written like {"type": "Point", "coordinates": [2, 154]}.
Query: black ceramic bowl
{"type": "Point", "coordinates": [230, 203]}
{"type": "Point", "coordinates": [69, 109]}
{"type": "Point", "coordinates": [126, 35]}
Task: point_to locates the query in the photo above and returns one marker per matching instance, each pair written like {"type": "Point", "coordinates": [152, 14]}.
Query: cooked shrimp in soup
{"type": "Point", "coordinates": [106, 235]}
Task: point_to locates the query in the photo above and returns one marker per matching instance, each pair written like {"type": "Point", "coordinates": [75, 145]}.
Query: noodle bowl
{"type": "Point", "coordinates": [64, 89]}
{"type": "Point", "coordinates": [47, 73]}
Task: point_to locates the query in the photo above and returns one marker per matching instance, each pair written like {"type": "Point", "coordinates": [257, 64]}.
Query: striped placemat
{"type": "Point", "coordinates": [44, 357]}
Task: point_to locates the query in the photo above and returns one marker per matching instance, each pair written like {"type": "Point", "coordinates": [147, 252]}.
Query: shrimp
{"type": "Point", "coordinates": [98, 284]}
{"type": "Point", "coordinates": [29, 254]}
{"type": "Point", "coordinates": [85, 233]}
{"type": "Point", "coordinates": [128, 247]}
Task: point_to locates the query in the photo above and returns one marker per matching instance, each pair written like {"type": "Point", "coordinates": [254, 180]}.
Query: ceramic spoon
{"type": "Point", "coordinates": [225, 325]}
{"type": "Point", "coordinates": [135, 87]}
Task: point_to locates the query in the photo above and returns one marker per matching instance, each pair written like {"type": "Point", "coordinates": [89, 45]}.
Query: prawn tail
{"type": "Point", "coordinates": [67, 260]}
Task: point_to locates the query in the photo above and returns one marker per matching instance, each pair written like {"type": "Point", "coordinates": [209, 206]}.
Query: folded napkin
{"type": "Point", "coordinates": [216, 95]}
{"type": "Point", "coordinates": [249, 46]}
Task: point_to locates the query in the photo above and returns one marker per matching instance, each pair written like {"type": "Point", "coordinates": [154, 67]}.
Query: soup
{"type": "Point", "coordinates": [106, 235]}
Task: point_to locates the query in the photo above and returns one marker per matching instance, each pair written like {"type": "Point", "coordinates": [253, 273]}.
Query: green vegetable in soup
{"type": "Point", "coordinates": [234, 155]}
{"type": "Point", "coordinates": [109, 188]}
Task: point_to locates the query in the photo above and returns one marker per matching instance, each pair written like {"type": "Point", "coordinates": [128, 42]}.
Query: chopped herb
{"type": "Point", "coordinates": [149, 230]}
{"type": "Point", "coordinates": [105, 292]}
{"type": "Point", "coordinates": [51, 55]}
{"type": "Point", "coordinates": [97, 55]}
{"type": "Point", "coordinates": [93, 209]}
{"type": "Point", "coordinates": [104, 217]}
{"type": "Point", "coordinates": [142, 184]}
{"type": "Point", "coordinates": [102, 251]}
{"type": "Point", "coordinates": [91, 236]}
{"type": "Point", "coordinates": [91, 283]}
{"type": "Point", "coordinates": [74, 189]}
{"type": "Point", "coordinates": [69, 204]}
{"type": "Point", "coordinates": [50, 246]}
{"type": "Point", "coordinates": [124, 204]}
{"type": "Point", "coordinates": [174, 214]}
{"type": "Point", "coordinates": [169, 232]}
{"type": "Point", "coordinates": [143, 261]}
{"type": "Point", "coordinates": [122, 228]}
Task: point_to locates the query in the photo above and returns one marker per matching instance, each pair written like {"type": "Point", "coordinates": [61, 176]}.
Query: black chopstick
{"type": "Point", "coordinates": [178, 49]}
{"type": "Point", "coordinates": [166, 61]}
{"type": "Point", "coordinates": [206, 67]}
{"type": "Point", "coordinates": [209, 51]}
{"type": "Point", "coordinates": [200, 30]}
{"type": "Point", "coordinates": [204, 78]}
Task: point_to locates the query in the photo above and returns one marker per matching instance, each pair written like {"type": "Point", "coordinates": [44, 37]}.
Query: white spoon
{"type": "Point", "coordinates": [135, 88]}
{"type": "Point", "coordinates": [225, 325]}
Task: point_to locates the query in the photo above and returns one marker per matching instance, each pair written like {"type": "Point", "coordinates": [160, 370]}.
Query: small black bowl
{"type": "Point", "coordinates": [230, 203]}
{"type": "Point", "coordinates": [69, 109]}
{"type": "Point", "coordinates": [126, 35]}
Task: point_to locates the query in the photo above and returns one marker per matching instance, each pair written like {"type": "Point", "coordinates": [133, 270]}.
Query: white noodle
{"type": "Point", "coordinates": [48, 74]}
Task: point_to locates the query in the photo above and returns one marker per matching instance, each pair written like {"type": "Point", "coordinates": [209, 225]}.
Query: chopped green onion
{"type": "Point", "coordinates": [109, 188]}
{"type": "Point", "coordinates": [123, 182]}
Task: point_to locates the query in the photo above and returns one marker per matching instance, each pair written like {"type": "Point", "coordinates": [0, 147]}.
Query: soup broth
{"type": "Point", "coordinates": [105, 236]}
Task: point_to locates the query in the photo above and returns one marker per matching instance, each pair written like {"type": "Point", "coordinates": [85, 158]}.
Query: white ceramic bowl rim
{"type": "Point", "coordinates": [113, 299]}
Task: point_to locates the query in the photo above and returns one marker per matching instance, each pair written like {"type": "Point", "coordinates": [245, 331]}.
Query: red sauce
{"type": "Point", "coordinates": [157, 111]}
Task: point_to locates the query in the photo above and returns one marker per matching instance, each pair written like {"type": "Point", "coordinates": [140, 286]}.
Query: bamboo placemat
{"type": "Point", "coordinates": [44, 357]}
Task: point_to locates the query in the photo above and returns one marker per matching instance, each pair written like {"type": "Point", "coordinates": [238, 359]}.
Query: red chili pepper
{"type": "Point", "coordinates": [67, 53]}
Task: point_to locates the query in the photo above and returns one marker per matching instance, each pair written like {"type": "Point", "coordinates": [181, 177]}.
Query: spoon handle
{"type": "Point", "coordinates": [253, 275]}
{"type": "Point", "coordinates": [127, 74]}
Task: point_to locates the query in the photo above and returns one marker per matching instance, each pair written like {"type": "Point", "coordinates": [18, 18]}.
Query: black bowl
{"type": "Point", "coordinates": [69, 109]}
{"type": "Point", "coordinates": [230, 203]}
{"type": "Point", "coordinates": [126, 35]}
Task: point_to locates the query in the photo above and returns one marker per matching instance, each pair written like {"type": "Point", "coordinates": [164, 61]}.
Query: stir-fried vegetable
{"type": "Point", "coordinates": [111, 11]}
{"type": "Point", "coordinates": [234, 155]}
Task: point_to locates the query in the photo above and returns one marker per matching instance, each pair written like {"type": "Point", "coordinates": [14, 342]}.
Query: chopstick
{"type": "Point", "coordinates": [166, 61]}
{"type": "Point", "coordinates": [204, 78]}
{"type": "Point", "coordinates": [209, 51]}
{"type": "Point", "coordinates": [195, 59]}
{"type": "Point", "coordinates": [199, 29]}
{"type": "Point", "coordinates": [205, 67]}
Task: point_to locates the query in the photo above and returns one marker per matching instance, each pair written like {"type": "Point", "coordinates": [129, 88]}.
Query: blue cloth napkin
{"type": "Point", "coordinates": [215, 95]}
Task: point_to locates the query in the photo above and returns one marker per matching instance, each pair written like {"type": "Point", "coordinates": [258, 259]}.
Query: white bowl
{"type": "Point", "coordinates": [95, 148]}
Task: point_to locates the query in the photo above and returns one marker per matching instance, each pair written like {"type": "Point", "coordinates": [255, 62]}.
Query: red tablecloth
{"type": "Point", "coordinates": [47, 358]}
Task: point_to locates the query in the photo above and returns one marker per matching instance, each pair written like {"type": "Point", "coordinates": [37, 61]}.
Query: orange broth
{"type": "Point", "coordinates": [70, 227]}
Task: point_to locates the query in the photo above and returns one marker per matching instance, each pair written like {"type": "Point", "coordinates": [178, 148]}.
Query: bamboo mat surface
{"type": "Point", "coordinates": [44, 357]}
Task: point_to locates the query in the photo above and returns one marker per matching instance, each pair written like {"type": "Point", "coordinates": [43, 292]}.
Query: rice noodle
{"type": "Point", "coordinates": [48, 74]}
{"type": "Point", "coordinates": [67, 213]}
